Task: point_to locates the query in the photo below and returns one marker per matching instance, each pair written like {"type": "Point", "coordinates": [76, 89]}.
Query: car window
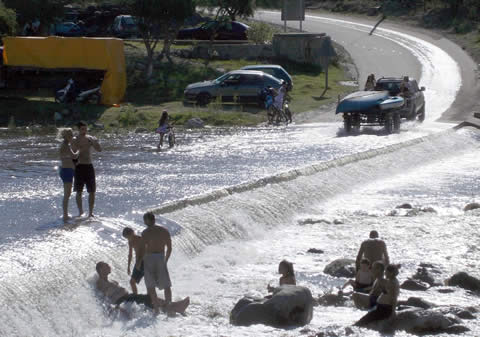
{"type": "Point", "coordinates": [233, 79]}
{"type": "Point", "coordinates": [414, 85]}
{"type": "Point", "coordinates": [252, 79]}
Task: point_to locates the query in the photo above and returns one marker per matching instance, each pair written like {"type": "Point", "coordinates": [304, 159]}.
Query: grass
{"type": "Point", "coordinates": [147, 99]}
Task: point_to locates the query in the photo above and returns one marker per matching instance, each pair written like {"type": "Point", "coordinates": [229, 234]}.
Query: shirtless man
{"type": "Point", "coordinates": [135, 243]}
{"type": "Point", "coordinates": [84, 171]}
{"type": "Point", "coordinates": [156, 239]}
{"type": "Point", "coordinates": [373, 249]}
{"type": "Point", "coordinates": [368, 301]}
{"type": "Point", "coordinates": [118, 295]}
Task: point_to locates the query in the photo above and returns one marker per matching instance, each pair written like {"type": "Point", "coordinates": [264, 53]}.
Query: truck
{"type": "Point", "coordinates": [386, 105]}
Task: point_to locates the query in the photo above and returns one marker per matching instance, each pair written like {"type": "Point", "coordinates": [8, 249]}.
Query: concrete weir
{"type": "Point", "coordinates": [309, 170]}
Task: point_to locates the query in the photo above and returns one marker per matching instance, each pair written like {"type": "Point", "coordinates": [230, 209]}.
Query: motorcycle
{"type": "Point", "coordinates": [72, 94]}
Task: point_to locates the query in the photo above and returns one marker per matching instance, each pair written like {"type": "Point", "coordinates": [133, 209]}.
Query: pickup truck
{"type": "Point", "coordinates": [386, 105]}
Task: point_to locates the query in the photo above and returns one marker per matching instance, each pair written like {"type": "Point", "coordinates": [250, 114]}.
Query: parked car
{"type": "Point", "coordinates": [243, 86]}
{"type": "Point", "coordinates": [68, 29]}
{"type": "Point", "coordinates": [274, 70]}
{"type": "Point", "coordinates": [124, 26]}
{"type": "Point", "coordinates": [231, 30]}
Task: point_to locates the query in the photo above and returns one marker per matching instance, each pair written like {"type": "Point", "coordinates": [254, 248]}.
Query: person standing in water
{"type": "Point", "coordinates": [372, 249]}
{"type": "Point", "coordinates": [84, 172]}
{"type": "Point", "coordinates": [157, 239]}
{"type": "Point", "coordinates": [163, 127]}
{"type": "Point", "coordinates": [67, 168]}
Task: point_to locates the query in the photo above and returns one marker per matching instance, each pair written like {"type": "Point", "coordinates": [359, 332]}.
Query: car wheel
{"type": "Point", "coordinates": [347, 123]}
{"type": "Point", "coordinates": [421, 114]}
{"type": "Point", "coordinates": [396, 122]}
{"type": "Point", "coordinates": [356, 123]}
{"type": "Point", "coordinates": [388, 123]}
{"type": "Point", "coordinates": [203, 99]}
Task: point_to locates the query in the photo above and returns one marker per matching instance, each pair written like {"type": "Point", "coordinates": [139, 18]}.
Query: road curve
{"type": "Point", "coordinates": [448, 72]}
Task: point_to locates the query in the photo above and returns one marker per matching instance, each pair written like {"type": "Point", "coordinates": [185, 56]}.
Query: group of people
{"type": "Point", "coordinates": [152, 251]}
{"type": "Point", "coordinates": [76, 167]}
{"type": "Point", "coordinates": [404, 89]}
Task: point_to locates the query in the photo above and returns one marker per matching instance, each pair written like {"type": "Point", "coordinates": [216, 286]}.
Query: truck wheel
{"type": "Point", "coordinates": [412, 113]}
{"type": "Point", "coordinates": [421, 114]}
{"type": "Point", "coordinates": [356, 122]}
{"type": "Point", "coordinates": [347, 123]}
{"type": "Point", "coordinates": [388, 123]}
{"type": "Point", "coordinates": [396, 122]}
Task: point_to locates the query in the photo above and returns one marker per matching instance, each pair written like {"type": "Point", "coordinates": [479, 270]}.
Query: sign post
{"type": "Point", "coordinates": [293, 10]}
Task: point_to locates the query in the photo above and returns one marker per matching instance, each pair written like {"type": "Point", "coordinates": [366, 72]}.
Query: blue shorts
{"type": "Point", "coordinates": [67, 175]}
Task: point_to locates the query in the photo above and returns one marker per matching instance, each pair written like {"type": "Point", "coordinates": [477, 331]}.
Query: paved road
{"type": "Point", "coordinates": [450, 75]}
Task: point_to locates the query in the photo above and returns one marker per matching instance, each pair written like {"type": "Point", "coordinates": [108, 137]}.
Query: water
{"type": "Point", "coordinates": [231, 247]}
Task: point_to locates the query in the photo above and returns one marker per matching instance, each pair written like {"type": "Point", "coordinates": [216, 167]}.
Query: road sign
{"type": "Point", "coordinates": [293, 10]}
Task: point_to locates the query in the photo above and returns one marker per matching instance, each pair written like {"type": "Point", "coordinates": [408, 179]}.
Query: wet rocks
{"type": "Point", "coordinates": [414, 285]}
{"type": "Point", "coordinates": [141, 130]}
{"type": "Point", "coordinates": [315, 251]}
{"type": "Point", "coordinates": [416, 302]}
{"type": "Point", "coordinates": [427, 321]}
{"type": "Point", "coordinates": [310, 221]}
{"type": "Point", "coordinates": [465, 281]}
{"type": "Point", "coordinates": [471, 206]}
{"type": "Point", "coordinates": [194, 123]}
{"type": "Point", "coordinates": [341, 268]}
{"type": "Point", "coordinates": [289, 305]}
{"type": "Point", "coordinates": [424, 274]}
{"type": "Point", "coordinates": [331, 299]}
{"type": "Point", "coordinates": [404, 206]}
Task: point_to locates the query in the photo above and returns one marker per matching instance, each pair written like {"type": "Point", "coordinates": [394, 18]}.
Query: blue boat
{"type": "Point", "coordinates": [362, 101]}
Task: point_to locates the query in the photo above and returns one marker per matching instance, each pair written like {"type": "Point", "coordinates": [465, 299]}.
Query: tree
{"type": "Point", "coordinates": [8, 20]}
{"type": "Point", "coordinates": [155, 18]}
{"type": "Point", "coordinates": [29, 10]}
{"type": "Point", "coordinates": [230, 8]}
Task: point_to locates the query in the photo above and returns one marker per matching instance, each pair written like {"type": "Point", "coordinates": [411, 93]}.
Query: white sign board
{"type": "Point", "coordinates": [293, 10]}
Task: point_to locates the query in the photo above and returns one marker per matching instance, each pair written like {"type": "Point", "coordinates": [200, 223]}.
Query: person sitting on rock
{"type": "Point", "coordinates": [367, 301]}
{"type": "Point", "coordinates": [288, 274]}
{"type": "Point", "coordinates": [117, 295]}
{"type": "Point", "coordinates": [363, 279]}
{"type": "Point", "coordinates": [387, 301]}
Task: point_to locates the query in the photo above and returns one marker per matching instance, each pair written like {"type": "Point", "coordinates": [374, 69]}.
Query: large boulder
{"type": "Point", "coordinates": [194, 123]}
{"type": "Point", "coordinates": [289, 305]}
{"type": "Point", "coordinates": [427, 321]}
{"type": "Point", "coordinates": [414, 285]}
{"type": "Point", "coordinates": [341, 268]}
{"type": "Point", "coordinates": [416, 302]}
{"type": "Point", "coordinates": [465, 281]}
{"type": "Point", "coordinates": [471, 206]}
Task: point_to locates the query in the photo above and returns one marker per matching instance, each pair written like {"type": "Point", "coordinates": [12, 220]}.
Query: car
{"type": "Point", "coordinates": [124, 26]}
{"type": "Point", "coordinates": [230, 30]}
{"type": "Point", "coordinates": [415, 101]}
{"type": "Point", "coordinates": [274, 70]}
{"type": "Point", "coordinates": [242, 86]}
{"type": "Point", "coordinates": [68, 29]}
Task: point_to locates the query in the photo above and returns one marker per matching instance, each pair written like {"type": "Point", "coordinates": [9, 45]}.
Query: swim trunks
{"type": "Point", "coordinates": [156, 272]}
{"type": "Point", "coordinates": [361, 287]}
{"type": "Point", "coordinates": [139, 299]}
{"type": "Point", "coordinates": [85, 175]}
{"type": "Point", "coordinates": [66, 174]}
{"type": "Point", "coordinates": [137, 274]}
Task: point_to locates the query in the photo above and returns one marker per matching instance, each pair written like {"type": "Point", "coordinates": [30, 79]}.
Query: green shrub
{"type": "Point", "coordinates": [260, 33]}
{"type": "Point", "coordinates": [462, 26]}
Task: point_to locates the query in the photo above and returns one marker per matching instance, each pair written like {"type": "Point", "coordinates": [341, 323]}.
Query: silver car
{"type": "Point", "coordinates": [241, 86]}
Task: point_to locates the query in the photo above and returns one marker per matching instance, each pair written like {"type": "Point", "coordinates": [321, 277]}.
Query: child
{"type": "Point", "coordinates": [67, 168]}
{"type": "Point", "coordinates": [387, 301]}
{"type": "Point", "coordinates": [363, 279]}
{"type": "Point", "coordinates": [163, 127]}
{"type": "Point", "coordinates": [288, 274]}
{"type": "Point", "coordinates": [135, 243]}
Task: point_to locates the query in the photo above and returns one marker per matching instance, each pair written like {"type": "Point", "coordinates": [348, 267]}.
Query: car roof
{"type": "Point", "coordinates": [264, 66]}
{"type": "Point", "coordinates": [245, 72]}
{"type": "Point", "coordinates": [393, 79]}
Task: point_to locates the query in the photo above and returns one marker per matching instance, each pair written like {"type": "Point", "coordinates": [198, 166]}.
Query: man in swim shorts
{"type": "Point", "coordinates": [373, 249]}
{"type": "Point", "coordinates": [84, 171]}
{"type": "Point", "coordinates": [135, 243]}
{"type": "Point", "coordinates": [156, 239]}
{"type": "Point", "coordinates": [118, 295]}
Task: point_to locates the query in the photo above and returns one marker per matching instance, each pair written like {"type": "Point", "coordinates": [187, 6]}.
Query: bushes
{"type": "Point", "coordinates": [260, 33]}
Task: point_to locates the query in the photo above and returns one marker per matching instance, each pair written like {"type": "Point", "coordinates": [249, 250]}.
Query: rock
{"type": "Point", "coordinates": [413, 212]}
{"type": "Point", "coordinates": [461, 313]}
{"type": "Point", "coordinates": [423, 275]}
{"type": "Point", "coordinates": [445, 290]}
{"type": "Point", "coordinates": [471, 206]}
{"type": "Point", "coordinates": [414, 285]}
{"type": "Point", "coordinates": [425, 321]}
{"type": "Point", "coordinates": [98, 126]}
{"type": "Point", "coordinates": [289, 305]}
{"type": "Point", "coordinates": [141, 130]}
{"type": "Point", "coordinates": [194, 123]}
{"type": "Point", "coordinates": [341, 268]}
{"type": "Point", "coordinates": [338, 222]}
{"type": "Point", "coordinates": [315, 251]}
{"type": "Point", "coordinates": [465, 281]}
{"type": "Point", "coordinates": [310, 221]}
{"type": "Point", "coordinates": [405, 206]}
{"type": "Point", "coordinates": [331, 299]}
{"type": "Point", "coordinates": [416, 302]}
{"type": "Point", "coordinates": [456, 329]}
{"type": "Point", "coordinates": [428, 210]}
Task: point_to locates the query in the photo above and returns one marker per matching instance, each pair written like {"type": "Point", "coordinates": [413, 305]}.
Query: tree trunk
{"type": "Point", "coordinates": [149, 71]}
